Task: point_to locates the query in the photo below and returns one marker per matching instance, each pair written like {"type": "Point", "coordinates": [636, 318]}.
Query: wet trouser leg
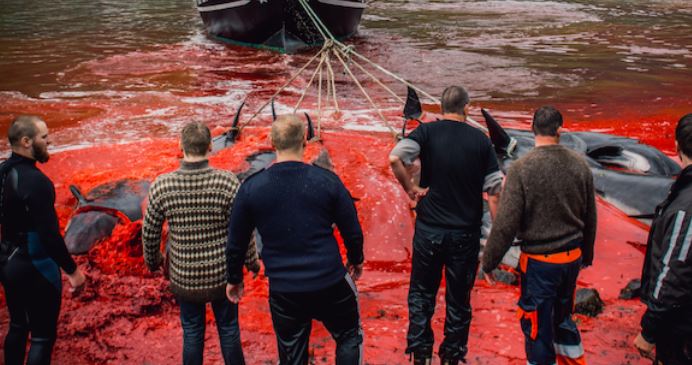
{"type": "Point", "coordinates": [33, 295]}
{"type": "Point", "coordinates": [426, 273]}
{"type": "Point", "coordinates": [461, 264]}
{"type": "Point", "coordinates": [342, 319]}
{"type": "Point", "coordinates": [335, 306]}
{"type": "Point", "coordinates": [193, 321]}
{"type": "Point", "coordinates": [226, 315]}
{"type": "Point", "coordinates": [674, 349]}
{"type": "Point", "coordinates": [546, 302]}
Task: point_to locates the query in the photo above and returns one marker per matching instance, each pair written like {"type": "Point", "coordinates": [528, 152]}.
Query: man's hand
{"type": "Point", "coordinates": [645, 348]}
{"type": "Point", "coordinates": [76, 279]}
{"type": "Point", "coordinates": [234, 292]}
{"type": "Point", "coordinates": [354, 270]}
{"type": "Point", "coordinates": [488, 276]}
{"type": "Point", "coordinates": [417, 193]}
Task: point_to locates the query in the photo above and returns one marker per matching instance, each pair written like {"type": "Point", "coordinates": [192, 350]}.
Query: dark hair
{"type": "Point", "coordinates": [683, 135]}
{"type": "Point", "coordinates": [23, 126]}
{"type": "Point", "coordinates": [196, 139]}
{"type": "Point", "coordinates": [454, 99]}
{"type": "Point", "coordinates": [546, 121]}
{"type": "Point", "coordinates": [288, 133]}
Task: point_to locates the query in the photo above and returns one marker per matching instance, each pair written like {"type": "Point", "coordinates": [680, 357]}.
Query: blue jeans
{"type": "Point", "coordinates": [193, 319]}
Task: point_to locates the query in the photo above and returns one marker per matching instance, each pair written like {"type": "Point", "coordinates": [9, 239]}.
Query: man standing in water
{"type": "Point", "coordinates": [294, 206]}
{"type": "Point", "coordinates": [196, 200]}
{"type": "Point", "coordinates": [667, 274]}
{"type": "Point", "coordinates": [32, 249]}
{"type": "Point", "coordinates": [548, 203]}
{"type": "Point", "coordinates": [458, 164]}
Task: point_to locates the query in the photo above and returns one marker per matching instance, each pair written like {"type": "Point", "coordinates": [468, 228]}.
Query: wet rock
{"type": "Point", "coordinates": [588, 302]}
{"type": "Point", "coordinates": [632, 290]}
{"type": "Point", "coordinates": [505, 277]}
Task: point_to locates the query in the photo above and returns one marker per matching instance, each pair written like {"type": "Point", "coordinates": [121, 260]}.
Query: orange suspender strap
{"type": "Point", "coordinates": [554, 258]}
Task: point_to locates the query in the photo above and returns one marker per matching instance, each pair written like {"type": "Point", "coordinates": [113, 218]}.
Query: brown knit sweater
{"type": "Point", "coordinates": [196, 201]}
{"type": "Point", "coordinates": [547, 202]}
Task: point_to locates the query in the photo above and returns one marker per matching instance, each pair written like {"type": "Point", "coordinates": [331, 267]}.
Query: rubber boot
{"type": "Point", "coordinates": [422, 359]}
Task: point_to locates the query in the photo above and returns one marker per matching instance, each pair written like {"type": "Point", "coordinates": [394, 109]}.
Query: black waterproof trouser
{"type": "Point", "coordinates": [455, 251]}
{"type": "Point", "coordinates": [674, 349]}
{"type": "Point", "coordinates": [335, 306]}
{"type": "Point", "coordinates": [33, 293]}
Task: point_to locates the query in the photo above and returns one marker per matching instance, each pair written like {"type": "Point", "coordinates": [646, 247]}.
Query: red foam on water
{"type": "Point", "coordinates": [127, 316]}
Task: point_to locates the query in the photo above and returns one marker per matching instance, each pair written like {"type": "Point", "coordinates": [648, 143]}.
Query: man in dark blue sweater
{"type": "Point", "coordinates": [294, 206]}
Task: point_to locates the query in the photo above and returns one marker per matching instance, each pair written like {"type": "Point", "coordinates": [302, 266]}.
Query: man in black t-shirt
{"type": "Point", "coordinates": [458, 164]}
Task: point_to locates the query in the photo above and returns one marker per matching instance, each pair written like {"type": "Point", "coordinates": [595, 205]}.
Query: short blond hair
{"type": "Point", "coordinates": [288, 133]}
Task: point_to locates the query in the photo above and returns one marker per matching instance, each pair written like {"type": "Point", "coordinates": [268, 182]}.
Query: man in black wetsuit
{"type": "Point", "coordinates": [33, 249]}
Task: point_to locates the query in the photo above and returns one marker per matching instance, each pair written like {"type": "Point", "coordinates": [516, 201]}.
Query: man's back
{"type": "Point", "coordinates": [293, 206]}
{"type": "Point", "coordinates": [556, 186]}
{"type": "Point", "coordinates": [455, 159]}
{"type": "Point", "coordinates": [548, 201]}
{"type": "Point", "coordinates": [196, 201]}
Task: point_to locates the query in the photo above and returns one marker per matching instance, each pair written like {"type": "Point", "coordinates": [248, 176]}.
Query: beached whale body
{"type": "Point", "coordinates": [112, 203]}
{"type": "Point", "coordinates": [99, 211]}
{"type": "Point", "coordinates": [632, 176]}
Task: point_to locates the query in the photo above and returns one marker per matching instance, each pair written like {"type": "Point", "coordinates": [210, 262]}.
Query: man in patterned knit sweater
{"type": "Point", "coordinates": [196, 201]}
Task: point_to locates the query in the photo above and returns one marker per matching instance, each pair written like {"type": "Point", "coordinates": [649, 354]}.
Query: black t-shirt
{"type": "Point", "coordinates": [455, 159]}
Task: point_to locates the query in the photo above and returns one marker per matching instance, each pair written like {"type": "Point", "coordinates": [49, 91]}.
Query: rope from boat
{"type": "Point", "coordinates": [349, 50]}
{"type": "Point", "coordinates": [244, 124]}
{"type": "Point", "coordinates": [319, 106]}
{"type": "Point", "coordinates": [312, 79]}
{"type": "Point", "coordinates": [363, 70]}
{"type": "Point", "coordinates": [332, 81]}
{"type": "Point", "coordinates": [317, 21]}
{"type": "Point", "coordinates": [394, 132]}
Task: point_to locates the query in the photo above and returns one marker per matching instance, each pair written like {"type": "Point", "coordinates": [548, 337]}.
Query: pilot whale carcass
{"type": "Point", "coordinates": [107, 205]}
{"type": "Point", "coordinates": [632, 176]}
{"type": "Point", "coordinates": [99, 211]}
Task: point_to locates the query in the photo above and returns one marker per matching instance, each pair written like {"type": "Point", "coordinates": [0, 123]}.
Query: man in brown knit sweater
{"type": "Point", "coordinates": [196, 201]}
{"type": "Point", "coordinates": [548, 203]}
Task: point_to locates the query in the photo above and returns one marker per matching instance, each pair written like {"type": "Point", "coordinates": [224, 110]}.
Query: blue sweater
{"type": "Point", "coordinates": [294, 206]}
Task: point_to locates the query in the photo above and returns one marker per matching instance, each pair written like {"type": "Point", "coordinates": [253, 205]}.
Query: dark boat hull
{"type": "Point", "coordinates": [281, 25]}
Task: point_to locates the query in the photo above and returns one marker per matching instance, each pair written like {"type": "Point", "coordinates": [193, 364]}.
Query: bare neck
{"type": "Point", "coordinates": [192, 159]}
{"type": "Point", "coordinates": [547, 140]}
{"type": "Point", "coordinates": [686, 161]}
{"type": "Point", "coordinates": [289, 155]}
{"type": "Point", "coordinates": [454, 116]}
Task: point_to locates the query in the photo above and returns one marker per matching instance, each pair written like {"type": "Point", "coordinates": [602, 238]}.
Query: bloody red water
{"type": "Point", "coordinates": [126, 314]}
{"type": "Point", "coordinates": [116, 80]}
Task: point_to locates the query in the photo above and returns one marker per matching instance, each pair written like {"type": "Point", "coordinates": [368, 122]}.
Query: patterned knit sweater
{"type": "Point", "coordinates": [195, 200]}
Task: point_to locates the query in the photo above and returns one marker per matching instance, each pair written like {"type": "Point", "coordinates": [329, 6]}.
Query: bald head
{"type": "Point", "coordinates": [23, 126]}
{"type": "Point", "coordinates": [288, 133]}
{"type": "Point", "coordinates": [28, 137]}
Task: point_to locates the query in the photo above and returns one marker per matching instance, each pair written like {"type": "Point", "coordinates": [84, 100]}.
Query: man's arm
{"type": "Point", "coordinates": [151, 231]}
{"type": "Point", "coordinates": [406, 151]}
{"type": "Point", "coordinates": [240, 230]}
{"type": "Point", "coordinates": [670, 282]}
{"type": "Point", "coordinates": [346, 219]}
{"type": "Point", "coordinates": [41, 204]}
{"type": "Point", "coordinates": [507, 221]}
{"type": "Point", "coordinates": [590, 221]}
